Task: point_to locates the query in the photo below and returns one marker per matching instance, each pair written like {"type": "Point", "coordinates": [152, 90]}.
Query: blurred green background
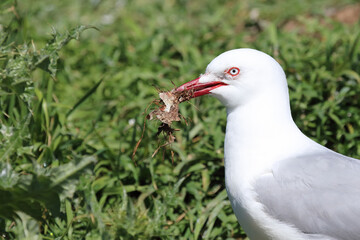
{"type": "Point", "coordinates": [76, 77]}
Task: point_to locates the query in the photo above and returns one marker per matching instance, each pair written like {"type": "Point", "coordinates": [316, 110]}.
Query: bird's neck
{"type": "Point", "coordinates": [258, 134]}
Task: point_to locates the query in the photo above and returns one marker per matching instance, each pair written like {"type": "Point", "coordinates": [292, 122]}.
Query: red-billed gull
{"type": "Point", "coordinates": [281, 184]}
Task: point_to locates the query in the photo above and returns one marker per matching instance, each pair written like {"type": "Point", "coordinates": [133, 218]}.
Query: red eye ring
{"type": "Point", "coordinates": [234, 71]}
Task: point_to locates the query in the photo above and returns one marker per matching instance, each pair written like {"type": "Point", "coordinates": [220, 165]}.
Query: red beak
{"type": "Point", "coordinates": [200, 88]}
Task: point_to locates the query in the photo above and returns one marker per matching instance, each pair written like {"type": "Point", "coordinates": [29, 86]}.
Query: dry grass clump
{"type": "Point", "coordinates": [167, 112]}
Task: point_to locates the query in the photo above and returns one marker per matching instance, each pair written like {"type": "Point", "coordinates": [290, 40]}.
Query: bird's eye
{"type": "Point", "coordinates": [234, 71]}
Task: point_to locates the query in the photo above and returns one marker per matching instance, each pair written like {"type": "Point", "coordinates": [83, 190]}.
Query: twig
{"type": "Point", "coordinates": [142, 134]}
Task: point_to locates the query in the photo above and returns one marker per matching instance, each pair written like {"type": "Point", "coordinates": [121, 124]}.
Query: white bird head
{"type": "Point", "coordinates": [238, 76]}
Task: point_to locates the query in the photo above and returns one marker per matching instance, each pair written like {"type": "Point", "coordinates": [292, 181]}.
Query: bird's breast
{"type": "Point", "coordinates": [242, 201]}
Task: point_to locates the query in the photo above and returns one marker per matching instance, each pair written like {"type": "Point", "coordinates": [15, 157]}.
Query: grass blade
{"type": "Point", "coordinates": [88, 94]}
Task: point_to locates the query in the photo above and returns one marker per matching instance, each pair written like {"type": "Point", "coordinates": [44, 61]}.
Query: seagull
{"type": "Point", "coordinates": [281, 184]}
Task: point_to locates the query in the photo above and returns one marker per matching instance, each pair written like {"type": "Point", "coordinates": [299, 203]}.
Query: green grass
{"type": "Point", "coordinates": [76, 77]}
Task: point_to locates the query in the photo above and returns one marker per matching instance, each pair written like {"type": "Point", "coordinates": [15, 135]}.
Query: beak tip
{"type": "Point", "coordinates": [187, 85]}
{"type": "Point", "coordinates": [180, 89]}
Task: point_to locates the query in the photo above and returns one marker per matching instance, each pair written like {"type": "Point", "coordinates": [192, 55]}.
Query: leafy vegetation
{"type": "Point", "coordinates": [77, 76]}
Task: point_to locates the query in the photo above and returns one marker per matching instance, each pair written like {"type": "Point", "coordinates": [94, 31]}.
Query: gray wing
{"type": "Point", "coordinates": [317, 193]}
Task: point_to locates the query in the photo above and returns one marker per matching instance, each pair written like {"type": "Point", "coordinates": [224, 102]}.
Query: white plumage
{"type": "Point", "coordinates": [281, 184]}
